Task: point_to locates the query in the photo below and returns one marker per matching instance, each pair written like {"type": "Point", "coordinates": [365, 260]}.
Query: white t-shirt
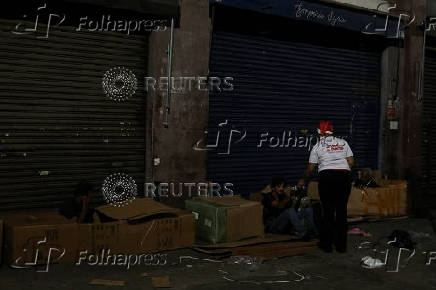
{"type": "Point", "coordinates": [331, 153]}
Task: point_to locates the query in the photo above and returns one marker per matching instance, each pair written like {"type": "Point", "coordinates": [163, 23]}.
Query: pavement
{"type": "Point", "coordinates": [317, 270]}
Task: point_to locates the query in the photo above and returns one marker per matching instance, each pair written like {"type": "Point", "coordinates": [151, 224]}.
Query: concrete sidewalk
{"type": "Point", "coordinates": [317, 270]}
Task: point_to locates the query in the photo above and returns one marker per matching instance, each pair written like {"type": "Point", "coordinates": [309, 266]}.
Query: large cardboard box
{"type": "Point", "coordinates": [387, 201]}
{"type": "Point", "coordinates": [144, 226]}
{"type": "Point", "coordinates": [39, 239]}
{"type": "Point", "coordinates": [226, 219]}
{"type": "Point", "coordinates": [390, 200]}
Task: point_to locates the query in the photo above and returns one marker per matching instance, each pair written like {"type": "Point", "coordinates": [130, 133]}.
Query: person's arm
{"type": "Point", "coordinates": [313, 162]}
{"type": "Point", "coordinates": [276, 202]}
{"type": "Point", "coordinates": [307, 174]}
{"type": "Point", "coordinates": [350, 161]}
{"type": "Point", "coordinates": [269, 201]}
{"type": "Point", "coordinates": [349, 156]}
{"type": "Point", "coordinates": [284, 202]}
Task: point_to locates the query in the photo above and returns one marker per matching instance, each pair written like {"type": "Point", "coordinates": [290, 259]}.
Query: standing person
{"type": "Point", "coordinates": [334, 159]}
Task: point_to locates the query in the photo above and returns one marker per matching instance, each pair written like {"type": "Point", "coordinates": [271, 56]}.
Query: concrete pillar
{"type": "Point", "coordinates": [173, 146]}
{"type": "Point", "coordinates": [409, 153]}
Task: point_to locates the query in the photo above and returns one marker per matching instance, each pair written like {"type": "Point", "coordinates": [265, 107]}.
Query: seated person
{"type": "Point", "coordinates": [280, 217]}
{"type": "Point", "coordinates": [77, 208]}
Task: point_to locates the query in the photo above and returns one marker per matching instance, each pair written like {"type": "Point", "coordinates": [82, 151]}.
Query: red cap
{"type": "Point", "coordinates": [325, 127]}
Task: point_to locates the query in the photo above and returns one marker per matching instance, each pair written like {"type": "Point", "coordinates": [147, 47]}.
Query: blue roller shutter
{"type": "Point", "coordinates": [283, 86]}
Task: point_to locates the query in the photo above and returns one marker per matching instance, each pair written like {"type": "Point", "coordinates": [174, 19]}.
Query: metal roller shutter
{"type": "Point", "coordinates": [282, 86]}
{"type": "Point", "coordinates": [55, 118]}
{"type": "Point", "coordinates": [429, 131]}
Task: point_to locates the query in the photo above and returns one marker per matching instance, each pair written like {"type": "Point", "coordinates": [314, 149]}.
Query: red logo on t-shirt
{"type": "Point", "coordinates": [334, 147]}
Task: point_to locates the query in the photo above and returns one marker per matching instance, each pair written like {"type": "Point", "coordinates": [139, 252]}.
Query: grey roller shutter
{"type": "Point", "coordinates": [429, 132]}
{"type": "Point", "coordinates": [56, 124]}
{"type": "Point", "coordinates": [283, 86]}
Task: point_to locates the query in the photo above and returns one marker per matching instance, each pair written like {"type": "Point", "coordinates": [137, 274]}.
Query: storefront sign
{"type": "Point", "coordinates": [362, 21]}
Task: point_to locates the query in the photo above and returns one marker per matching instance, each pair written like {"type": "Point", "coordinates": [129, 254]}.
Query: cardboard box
{"type": "Point", "coordinates": [226, 219]}
{"type": "Point", "coordinates": [143, 226]}
{"type": "Point", "coordinates": [390, 200]}
{"type": "Point", "coordinates": [39, 239]}
{"type": "Point", "coordinates": [387, 201]}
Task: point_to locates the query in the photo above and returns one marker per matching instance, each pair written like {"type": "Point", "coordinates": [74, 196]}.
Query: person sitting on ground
{"type": "Point", "coordinates": [279, 215]}
{"type": "Point", "coordinates": [77, 208]}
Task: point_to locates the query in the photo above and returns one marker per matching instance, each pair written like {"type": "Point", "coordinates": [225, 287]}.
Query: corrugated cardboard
{"type": "Point", "coordinates": [137, 209]}
{"type": "Point", "coordinates": [149, 236]}
{"type": "Point", "coordinates": [266, 239]}
{"type": "Point", "coordinates": [387, 201]}
{"type": "Point", "coordinates": [141, 227]}
{"type": "Point", "coordinates": [226, 219]}
{"type": "Point", "coordinates": [39, 238]}
{"type": "Point", "coordinates": [161, 234]}
{"type": "Point", "coordinates": [103, 282]}
{"type": "Point", "coordinates": [390, 200]}
{"type": "Point", "coordinates": [156, 228]}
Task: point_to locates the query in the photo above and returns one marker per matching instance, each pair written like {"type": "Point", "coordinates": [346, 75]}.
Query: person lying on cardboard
{"type": "Point", "coordinates": [77, 208]}
{"type": "Point", "coordinates": [282, 216]}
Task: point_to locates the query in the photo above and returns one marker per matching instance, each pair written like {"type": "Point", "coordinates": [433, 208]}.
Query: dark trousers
{"type": "Point", "coordinates": [301, 222]}
{"type": "Point", "coordinates": [334, 190]}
